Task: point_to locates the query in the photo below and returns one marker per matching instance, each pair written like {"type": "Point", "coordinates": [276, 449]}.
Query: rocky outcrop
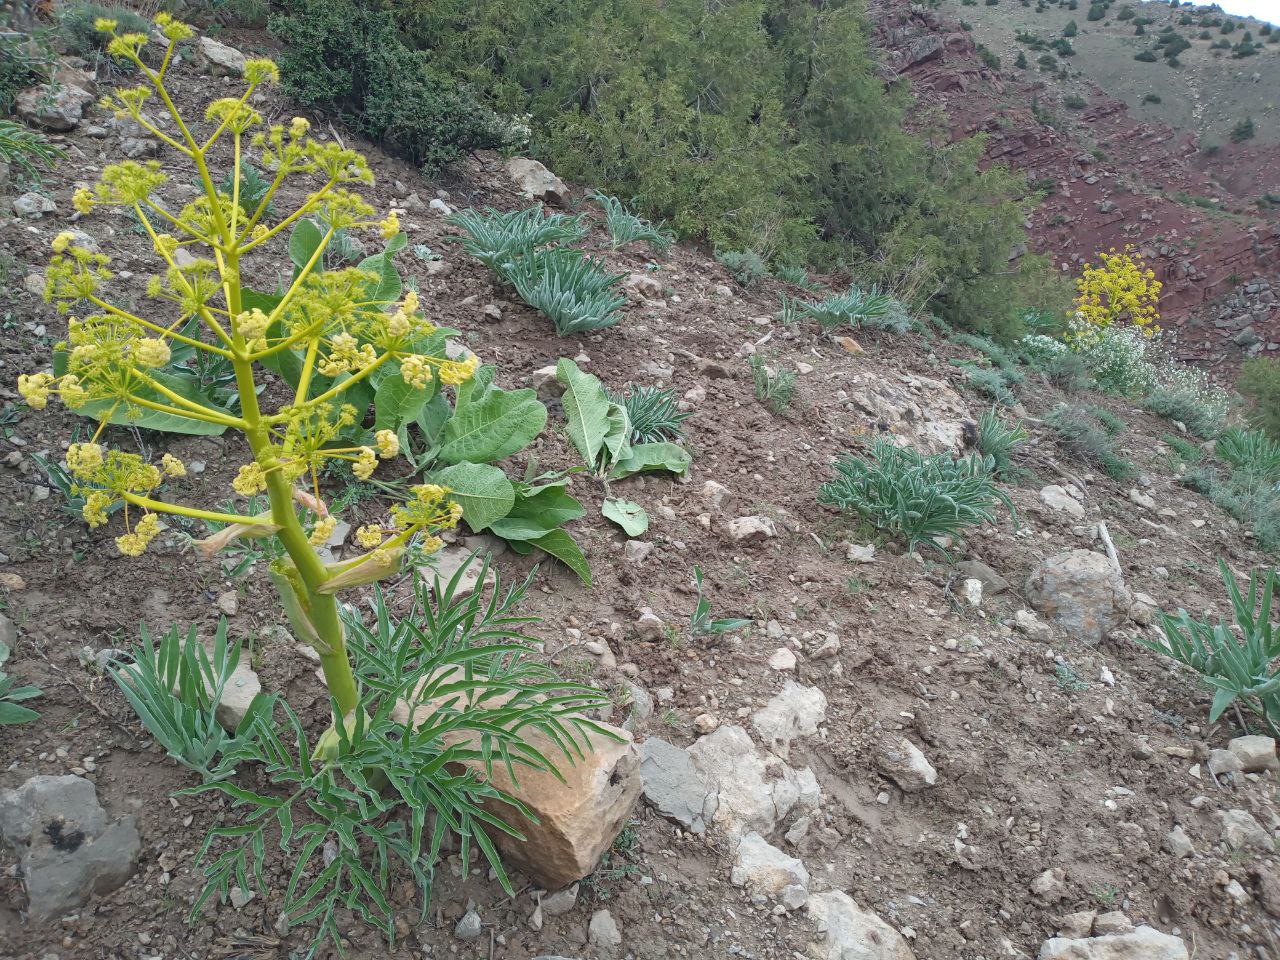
{"type": "Point", "coordinates": [536, 182]}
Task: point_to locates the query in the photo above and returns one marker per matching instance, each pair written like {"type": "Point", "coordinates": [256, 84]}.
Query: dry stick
{"type": "Point", "coordinates": [1111, 548]}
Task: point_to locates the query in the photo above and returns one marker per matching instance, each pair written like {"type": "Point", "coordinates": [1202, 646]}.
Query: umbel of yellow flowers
{"type": "Point", "coordinates": [1121, 288]}
{"type": "Point", "coordinates": [115, 357]}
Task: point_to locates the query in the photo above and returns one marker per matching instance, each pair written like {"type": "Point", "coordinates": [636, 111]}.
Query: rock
{"type": "Point", "coordinates": [1062, 500]}
{"type": "Point", "coordinates": [545, 382]}
{"type": "Point", "coordinates": [992, 582]}
{"type": "Point", "coordinates": [469, 927]}
{"type": "Point", "coordinates": [1240, 831]}
{"type": "Point", "coordinates": [1178, 843]}
{"type": "Point", "coordinates": [636, 551]}
{"type": "Point", "coordinates": [241, 689]}
{"type": "Point", "coordinates": [603, 931]}
{"type": "Point", "coordinates": [751, 529]}
{"type": "Point", "coordinates": [229, 602]}
{"type": "Point", "coordinates": [861, 553]}
{"type": "Point", "coordinates": [1112, 923]}
{"type": "Point", "coordinates": [1144, 500]}
{"type": "Point", "coordinates": [537, 182]}
{"type": "Point", "coordinates": [782, 660]}
{"type": "Point", "coordinates": [446, 563]}
{"type": "Point", "coordinates": [929, 47]}
{"type": "Point", "coordinates": [852, 933]}
{"type": "Point", "coordinates": [674, 786]}
{"type": "Point", "coordinates": [1032, 626]}
{"type": "Point", "coordinates": [136, 148]}
{"type": "Point", "coordinates": [1077, 925]}
{"type": "Point", "coordinates": [58, 109]}
{"type": "Point", "coordinates": [971, 592]}
{"type": "Point", "coordinates": [1082, 592]}
{"type": "Point", "coordinates": [714, 494]}
{"type": "Point", "coordinates": [1051, 885]}
{"type": "Point", "coordinates": [33, 206]}
{"type": "Point", "coordinates": [706, 722]}
{"type": "Point", "coordinates": [1255, 753]}
{"type": "Point", "coordinates": [648, 625]}
{"type": "Point", "coordinates": [904, 763]}
{"type": "Point", "coordinates": [1145, 943]}
{"type": "Point", "coordinates": [754, 791]}
{"type": "Point", "coordinates": [1223, 763]}
{"type": "Point", "coordinates": [34, 284]}
{"type": "Point", "coordinates": [440, 207]}
{"type": "Point", "coordinates": [763, 868]}
{"type": "Point", "coordinates": [239, 897]}
{"type": "Point", "coordinates": [220, 59]}
{"type": "Point", "coordinates": [560, 902]}
{"type": "Point", "coordinates": [795, 712]}
{"type": "Point", "coordinates": [645, 284]}
{"type": "Point", "coordinates": [68, 849]}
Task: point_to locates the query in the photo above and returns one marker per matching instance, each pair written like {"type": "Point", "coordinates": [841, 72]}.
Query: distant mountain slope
{"type": "Point", "coordinates": [1205, 214]}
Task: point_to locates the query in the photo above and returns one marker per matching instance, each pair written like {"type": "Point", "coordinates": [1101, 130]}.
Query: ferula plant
{"type": "Point", "coordinates": [330, 331]}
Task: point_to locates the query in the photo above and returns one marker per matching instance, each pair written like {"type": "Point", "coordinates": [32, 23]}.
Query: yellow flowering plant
{"type": "Point", "coordinates": [333, 336]}
{"type": "Point", "coordinates": [1120, 288]}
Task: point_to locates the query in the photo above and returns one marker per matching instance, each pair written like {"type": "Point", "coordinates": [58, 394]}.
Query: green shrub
{"type": "Point", "coordinates": [1187, 395]}
{"type": "Point", "coordinates": [572, 289]}
{"type": "Point", "coordinates": [28, 151]}
{"type": "Point", "coordinates": [1146, 56]}
{"type": "Point", "coordinates": [22, 64]}
{"type": "Point", "coordinates": [498, 239]}
{"type": "Point", "coordinates": [1074, 102]}
{"type": "Point", "coordinates": [1071, 29]}
{"type": "Point", "coordinates": [745, 266]}
{"type": "Point", "coordinates": [347, 58]}
{"type": "Point", "coordinates": [1260, 382]}
{"type": "Point", "coordinates": [990, 382]}
{"type": "Point", "coordinates": [1242, 131]}
{"type": "Point", "coordinates": [917, 498]}
{"type": "Point", "coordinates": [1108, 420]}
{"type": "Point", "coordinates": [853, 308]}
{"type": "Point", "coordinates": [774, 388]}
{"type": "Point", "coordinates": [997, 442]}
{"type": "Point", "coordinates": [1237, 661]}
{"type": "Point", "coordinates": [653, 414]}
{"type": "Point", "coordinates": [77, 35]}
{"type": "Point", "coordinates": [625, 227]}
{"type": "Point", "coordinates": [12, 695]}
{"type": "Point", "coordinates": [1151, 98]}
{"type": "Point", "coordinates": [1083, 438]}
{"type": "Point", "coordinates": [1096, 12]}
{"type": "Point", "coordinates": [1187, 452]}
{"type": "Point", "coordinates": [1250, 453]}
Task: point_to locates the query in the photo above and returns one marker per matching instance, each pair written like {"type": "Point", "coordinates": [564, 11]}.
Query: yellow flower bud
{"type": "Point", "coordinates": [82, 458]}
{"type": "Point", "coordinates": [252, 324]}
{"type": "Point", "coordinates": [82, 200]}
{"type": "Point", "coordinates": [369, 536]}
{"type": "Point", "coordinates": [172, 466]}
{"type": "Point", "coordinates": [34, 388]}
{"type": "Point", "coordinates": [131, 545]}
{"type": "Point", "coordinates": [390, 226]}
{"type": "Point", "coordinates": [151, 352]}
{"type": "Point", "coordinates": [365, 463]}
{"type": "Point", "coordinates": [62, 241]}
{"type": "Point", "coordinates": [105, 25]}
{"type": "Point", "coordinates": [249, 480]}
{"type": "Point", "coordinates": [388, 443]}
{"type": "Point", "coordinates": [322, 531]}
{"type": "Point", "coordinates": [298, 127]}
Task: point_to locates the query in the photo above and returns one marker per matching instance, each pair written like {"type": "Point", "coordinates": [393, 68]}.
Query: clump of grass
{"type": "Point", "coordinates": [989, 381]}
{"type": "Point", "coordinates": [1187, 452]}
{"type": "Point", "coordinates": [745, 266]}
{"type": "Point", "coordinates": [653, 414]}
{"type": "Point", "coordinates": [1110, 422]}
{"type": "Point", "coordinates": [997, 442]}
{"type": "Point", "coordinates": [774, 388]}
{"type": "Point", "coordinates": [917, 498]}
{"type": "Point", "coordinates": [997, 354]}
{"type": "Point", "coordinates": [1081, 436]}
{"type": "Point", "coordinates": [625, 227]}
{"type": "Point", "coordinates": [572, 289]}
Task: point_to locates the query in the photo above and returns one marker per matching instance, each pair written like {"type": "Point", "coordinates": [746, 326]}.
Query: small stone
{"type": "Point", "coordinates": [904, 763]}
{"type": "Point", "coordinates": [648, 626]}
{"type": "Point", "coordinates": [637, 551]}
{"type": "Point", "coordinates": [971, 592]}
{"type": "Point", "coordinates": [1063, 500]}
{"type": "Point", "coordinates": [762, 868]}
{"type": "Point", "coordinates": [1051, 885]}
{"type": "Point", "coordinates": [714, 494]}
{"type": "Point", "coordinates": [1223, 763]}
{"type": "Point", "coordinates": [1240, 831]}
{"type": "Point", "coordinates": [560, 902]}
{"type": "Point", "coordinates": [1255, 753]}
{"type": "Point", "coordinates": [220, 59]}
{"type": "Point", "coordinates": [1178, 843]}
{"type": "Point", "coordinates": [1112, 923]}
{"type": "Point", "coordinates": [238, 694]}
{"type": "Point", "coordinates": [746, 530]}
{"type": "Point", "coordinates": [469, 927]}
{"type": "Point", "coordinates": [1026, 622]}
{"type": "Point", "coordinates": [1141, 499]}
{"type": "Point", "coordinates": [59, 107]}
{"type": "Point", "coordinates": [782, 660]}
{"type": "Point", "coordinates": [1144, 943]}
{"type": "Point", "coordinates": [240, 898]}
{"type": "Point", "coordinates": [603, 931]}
{"type": "Point", "coordinates": [33, 206]}
{"type": "Point", "coordinates": [440, 207]}
{"type": "Point", "coordinates": [1077, 925]}
{"type": "Point", "coordinates": [536, 182]}
{"type": "Point", "coordinates": [706, 722]}
{"type": "Point", "coordinates": [229, 602]}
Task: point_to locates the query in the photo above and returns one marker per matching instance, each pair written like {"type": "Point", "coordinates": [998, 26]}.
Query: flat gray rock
{"type": "Point", "coordinates": [673, 785]}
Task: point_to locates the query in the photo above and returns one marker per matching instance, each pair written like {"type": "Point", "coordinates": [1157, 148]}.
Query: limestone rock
{"type": "Point", "coordinates": [1032, 626]}
{"type": "Point", "coordinates": [449, 560]}
{"type": "Point", "coordinates": [1255, 753]}
{"type": "Point", "coordinates": [1144, 943]}
{"type": "Point", "coordinates": [33, 206]}
{"type": "Point", "coordinates": [220, 59]}
{"type": "Point", "coordinates": [1082, 592]}
{"type": "Point", "coordinates": [59, 109]}
{"type": "Point", "coordinates": [67, 847]}
{"type": "Point", "coordinates": [674, 786]}
{"type": "Point", "coordinates": [782, 660]}
{"type": "Point", "coordinates": [762, 868]}
{"type": "Point", "coordinates": [241, 689]}
{"type": "Point", "coordinates": [852, 933]}
{"type": "Point", "coordinates": [649, 625]}
{"type": "Point", "coordinates": [1063, 500]}
{"type": "Point", "coordinates": [544, 381]}
{"type": "Point", "coordinates": [1240, 831]}
{"type": "Point", "coordinates": [751, 529]}
{"type": "Point", "coordinates": [603, 931]}
{"type": "Point", "coordinates": [1178, 843]}
{"type": "Point", "coordinates": [537, 182]}
{"type": "Point", "coordinates": [1112, 923]}
{"type": "Point", "coordinates": [714, 494]}
{"type": "Point", "coordinates": [992, 582]}
{"type": "Point", "coordinates": [645, 284]}
{"type": "Point", "coordinates": [754, 791]}
{"type": "Point", "coordinates": [904, 763]}
{"type": "Point", "coordinates": [795, 712]}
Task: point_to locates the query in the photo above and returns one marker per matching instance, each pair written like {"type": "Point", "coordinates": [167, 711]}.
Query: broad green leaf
{"type": "Point", "coordinates": [617, 439]}
{"type": "Point", "coordinates": [498, 424]}
{"type": "Point", "coordinates": [629, 516]}
{"type": "Point", "coordinates": [12, 713]}
{"type": "Point", "coordinates": [483, 490]}
{"type": "Point", "coordinates": [565, 549]}
{"type": "Point", "coordinates": [591, 415]}
{"type": "Point", "coordinates": [389, 286]}
{"type": "Point", "coordinates": [396, 402]}
{"type": "Point", "coordinates": [652, 456]}
{"type": "Point", "coordinates": [537, 512]}
{"type": "Point", "coordinates": [1221, 700]}
{"type": "Point", "coordinates": [396, 244]}
{"type": "Point", "coordinates": [304, 240]}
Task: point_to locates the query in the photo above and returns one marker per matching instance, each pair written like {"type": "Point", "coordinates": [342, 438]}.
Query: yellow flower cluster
{"type": "Point", "coordinates": [250, 479]}
{"type": "Point", "coordinates": [1121, 288]}
{"type": "Point", "coordinates": [103, 477]}
{"type": "Point", "coordinates": [429, 507]}
{"type": "Point", "coordinates": [323, 530]}
{"type": "Point", "coordinates": [135, 542]}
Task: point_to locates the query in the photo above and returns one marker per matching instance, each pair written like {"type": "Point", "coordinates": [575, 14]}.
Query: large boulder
{"type": "Point", "coordinates": [1082, 592]}
{"type": "Point", "coordinates": [68, 848]}
{"type": "Point", "coordinates": [220, 59]}
{"type": "Point", "coordinates": [537, 182]}
{"type": "Point", "coordinates": [58, 108]}
{"type": "Point", "coordinates": [1145, 943]}
{"type": "Point", "coordinates": [851, 933]}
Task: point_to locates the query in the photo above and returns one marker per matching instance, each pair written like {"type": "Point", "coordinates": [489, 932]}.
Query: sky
{"type": "Point", "coordinates": [1268, 10]}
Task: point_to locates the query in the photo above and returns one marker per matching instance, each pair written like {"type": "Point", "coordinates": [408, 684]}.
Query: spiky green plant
{"type": "Point", "coordinates": [1250, 452]}
{"type": "Point", "coordinates": [852, 308]}
{"type": "Point", "coordinates": [625, 227]}
{"type": "Point", "coordinates": [1237, 661]}
{"type": "Point", "coordinates": [498, 239]}
{"type": "Point", "coordinates": [27, 150]}
{"type": "Point", "coordinates": [774, 388]}
{"type": "Point", "coordinates": [997, 441]}
{"type": "Point", "coordinates": [653, 413]}
{"type": "Point", "coordinates": [572, 289]}
{"type": "Point", "coordinates": [917, 498]}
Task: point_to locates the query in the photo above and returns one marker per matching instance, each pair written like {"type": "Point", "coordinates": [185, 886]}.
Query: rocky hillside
{"type": "Point", "coordinates": [1116, 172]}
{"type": "Point", "coordinates": [897, 757]}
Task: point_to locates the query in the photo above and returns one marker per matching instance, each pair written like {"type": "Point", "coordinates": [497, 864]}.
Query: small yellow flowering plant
{"type": "Point", "coordinates": [1120, 288]}
{"type": "Point", "coordinates": [330, 335]}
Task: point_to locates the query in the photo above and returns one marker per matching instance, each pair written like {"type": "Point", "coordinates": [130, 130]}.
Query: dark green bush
{"type": "Point", "coordinates": [346, 58]}
{"type": "Point", "coordinates": [1260, 382]}
{"type": "Point", "coordinates": [22, 65]}
{"type": "Point", "coordinates": [1242, 131]}
{"type": "Point", "coordinates": [77, 35]}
